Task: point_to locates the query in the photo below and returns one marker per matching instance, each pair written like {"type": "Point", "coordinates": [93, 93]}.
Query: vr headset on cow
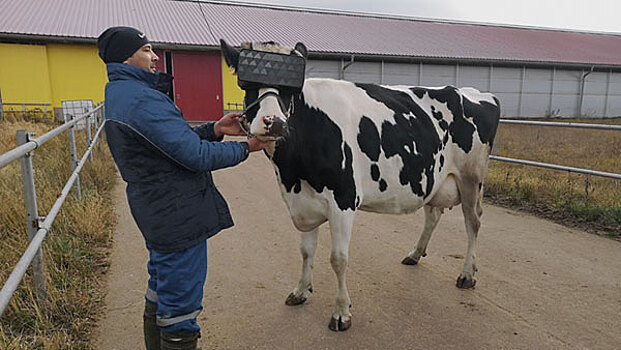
{"type": "Point", "coordinates": [257, 69]}
{"type": "Point", "coordinates": [260, 65]}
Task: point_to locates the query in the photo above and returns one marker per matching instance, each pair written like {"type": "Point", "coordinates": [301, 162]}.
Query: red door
{"type": "Point", "coordinates": [198, 85]}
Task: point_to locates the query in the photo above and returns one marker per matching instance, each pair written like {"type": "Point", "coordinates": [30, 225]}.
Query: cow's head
{"type": "Point", "coordinates": [267, 105]}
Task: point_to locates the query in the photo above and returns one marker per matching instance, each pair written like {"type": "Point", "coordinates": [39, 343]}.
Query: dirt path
{"type": "Point", "coordinates": [540, 285]}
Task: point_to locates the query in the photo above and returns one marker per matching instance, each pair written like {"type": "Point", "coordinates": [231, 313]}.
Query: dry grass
{"type": "Point", "coordinates": [75, 251]}
{"type": "Point", "coordinates": [589, 201]}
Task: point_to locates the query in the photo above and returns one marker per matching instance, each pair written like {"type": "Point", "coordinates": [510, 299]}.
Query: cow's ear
{"type": "Point", "coordinates": [231, 55]}
{"type": "Point", "coordinates": [301, 48]}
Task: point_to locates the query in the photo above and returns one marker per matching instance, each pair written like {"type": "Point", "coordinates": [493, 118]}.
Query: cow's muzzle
{"type": "Point", "coordinates": [275, 127]}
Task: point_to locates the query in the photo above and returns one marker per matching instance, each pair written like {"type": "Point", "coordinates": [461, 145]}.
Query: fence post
{"type": "Point", "coordinates": [32, 218]}
{"type": "Point", "coordinates": [74, 158]}
{"type": "Point", "coordinates": [88, 135]}
{"type": "Point", "coordinates": [101, 115]}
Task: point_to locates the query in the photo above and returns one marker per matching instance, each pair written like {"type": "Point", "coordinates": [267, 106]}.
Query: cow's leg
{"type": "Point", "coordinates": [471, 207]}
{"type": "Point", "coordinates": [340, 227]}
{"type": "Point", "coordinates": [432, 217]}
{"type": "Point", "coordinates": [308, 245]}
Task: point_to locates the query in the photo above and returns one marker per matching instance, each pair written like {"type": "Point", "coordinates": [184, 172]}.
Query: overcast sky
{"type": "Point", "coordinates": [591, 15]}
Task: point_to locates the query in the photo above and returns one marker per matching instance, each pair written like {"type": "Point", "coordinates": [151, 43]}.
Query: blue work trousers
{"type": "Point", "coordinates": [176, 286]}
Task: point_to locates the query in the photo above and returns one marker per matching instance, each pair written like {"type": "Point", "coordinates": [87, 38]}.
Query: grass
{"type": "Point", "coordinates": [75, 251]}
{"type": "Point", "coordinates": [588, 201]}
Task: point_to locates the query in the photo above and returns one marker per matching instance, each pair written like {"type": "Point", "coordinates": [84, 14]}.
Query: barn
{"type": "Point", "coordinates": [48, 54]}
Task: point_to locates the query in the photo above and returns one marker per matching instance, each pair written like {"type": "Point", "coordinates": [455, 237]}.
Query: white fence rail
{"type": "Point", "coordinates": [555, 166]}
{"type": "Point", "coordinates": [39, 226]}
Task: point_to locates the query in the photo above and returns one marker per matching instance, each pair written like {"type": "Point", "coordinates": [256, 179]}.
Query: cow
{"type": "Point", "coordinates": [341, 147]}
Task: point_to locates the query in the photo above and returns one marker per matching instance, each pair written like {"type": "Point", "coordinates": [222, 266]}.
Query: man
{"type": "Point", "coordinates": [167, 166]}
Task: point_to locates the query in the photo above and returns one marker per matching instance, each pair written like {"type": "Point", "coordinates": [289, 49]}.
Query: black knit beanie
{"type": "Point", "coordinates": [116, 44]}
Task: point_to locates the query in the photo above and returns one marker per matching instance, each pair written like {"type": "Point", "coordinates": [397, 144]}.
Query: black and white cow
{"type": "Point", "coordinates": [342, 147]}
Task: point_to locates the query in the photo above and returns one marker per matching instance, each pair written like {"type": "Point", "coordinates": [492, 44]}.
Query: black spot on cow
{"type": "Point", "coordinates": [486, 117]}
{"type": "Point", "coordinates": [297, 188]}
{"type": "Point", "coordinates": [441, 161]}
{"type": "Point", "coordinates": [383, 185]}
{"type": "Point", "coordinates": [314, 151]}
{"type": "Point", "coordinates": [460, 129]}
{"type": "Point", "coordinates": [419, 91]}
{"type": "Point", "coordinates": [414, 139]}
{"type": "Point", "coordinates": [375, 172]}
{"type": "Point", "coordinates": [438, 115]}
{"type": "Point", "coordinates": [369, 139]}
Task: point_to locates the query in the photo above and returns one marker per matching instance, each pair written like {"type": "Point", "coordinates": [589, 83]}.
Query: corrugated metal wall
{"type": "Point", "coordinates": [523, 91]}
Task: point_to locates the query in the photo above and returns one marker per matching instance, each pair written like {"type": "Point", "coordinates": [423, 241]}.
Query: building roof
{"type": "Point", "coordinates": [202, 24]}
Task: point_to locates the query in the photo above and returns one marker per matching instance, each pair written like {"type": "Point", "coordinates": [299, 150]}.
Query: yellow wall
{"type": "Point", "coordinates": [51, 73]}
{"type": "Point", "coordinates": [24, 75]}
{"type": "Point", "coordinates": [76, 73]}
{"type": "Point", "coordinates": [230, 90]}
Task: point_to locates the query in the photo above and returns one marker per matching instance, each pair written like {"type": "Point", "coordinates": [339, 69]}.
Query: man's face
{"type": "Point", "coordinates": [144, 58]}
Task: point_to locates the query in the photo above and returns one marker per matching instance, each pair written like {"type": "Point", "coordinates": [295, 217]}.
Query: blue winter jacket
{"type": "Point", "coordinates": [167, 164]}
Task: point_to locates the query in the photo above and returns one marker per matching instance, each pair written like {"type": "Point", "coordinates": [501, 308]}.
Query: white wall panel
{"type": "Point", "coordinates": [593, 106]}
{"type": "Point", "coordinates": [401, 74]}
{"type": "Point", "coordinates": [473, 76]}
{"type": "Point", "coordinates": [438, 75]}
{"type": "Point", "coordinates": [506, 80]}
{"type": "Point", "coordinates": [538, 80]}
{"type": "Point", "coordinates": [535, 105]}
{"type": "Point", "coordinates": [506, 84]}
{"type": "Point", "coordinates": [364, 72]}
{"type": "Point", "coordinates": [323, 69]}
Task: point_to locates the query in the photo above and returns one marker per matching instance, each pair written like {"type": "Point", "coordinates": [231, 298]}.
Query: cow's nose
{"type": "Point", "coordinates": [275, 126]}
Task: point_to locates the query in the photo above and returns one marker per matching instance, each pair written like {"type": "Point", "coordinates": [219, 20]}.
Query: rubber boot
{"type": "Point", "coordinates": [151, 332]}
{"type": "Point", "coordinates": [180, 340]}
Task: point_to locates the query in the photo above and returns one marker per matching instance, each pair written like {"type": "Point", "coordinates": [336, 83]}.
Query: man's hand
{"type": "Point", "coordinates": [229, 125]}
{"type": "Point", "coordinates": [256, 144]}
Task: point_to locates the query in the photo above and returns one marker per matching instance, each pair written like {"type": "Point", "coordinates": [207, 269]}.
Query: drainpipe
{"type": "Point", "coordinates": [582, 84]}
{"type": "Point", "coordinates": [344, 67]}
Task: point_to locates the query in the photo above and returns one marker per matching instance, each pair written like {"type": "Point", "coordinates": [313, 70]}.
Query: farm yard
{"type": "Point", "coordinates": [547, 255]}
{"type": "Point", "coordinates": [540, 285]}
{"type": "Point", "coordinates": [531, 270]}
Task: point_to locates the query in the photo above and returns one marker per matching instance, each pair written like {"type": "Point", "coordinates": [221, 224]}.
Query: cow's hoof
{"type": "Point", "coordinates": [338, 325]}
{"type": "Point", "coordinates": [465, 282]}
{"type": "Point", "coordinates": [293, 299]}
{"type": "Point", "coordinates": [409, 261]}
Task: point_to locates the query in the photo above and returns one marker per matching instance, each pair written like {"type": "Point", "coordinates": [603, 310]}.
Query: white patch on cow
{"type": "Point", "coordinates": [269, 111]}
{"type": "Point", "coordinates": [344, 158]}
{"type": "Point", "coordinates": [477, 96]}
{"type": "Point", "coordinates": [308, 208]}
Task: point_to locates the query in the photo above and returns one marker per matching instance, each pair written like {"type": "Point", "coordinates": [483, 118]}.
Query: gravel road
{"type": "Point", "coordinates": [540, 285]}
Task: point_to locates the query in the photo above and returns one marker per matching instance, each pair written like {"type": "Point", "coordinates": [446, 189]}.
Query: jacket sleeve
{"type": "Point", "coordinates": [161, 124]}
{"type": "Point", "coordinates": [206, 132]}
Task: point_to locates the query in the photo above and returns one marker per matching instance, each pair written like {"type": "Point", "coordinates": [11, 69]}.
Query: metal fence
{"type": "Point", "coordinates": [555, 166]}
{"type": "Point", "coordinates": [38, 226]}
{"type": "Point", "coordinates": [26, 110]}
